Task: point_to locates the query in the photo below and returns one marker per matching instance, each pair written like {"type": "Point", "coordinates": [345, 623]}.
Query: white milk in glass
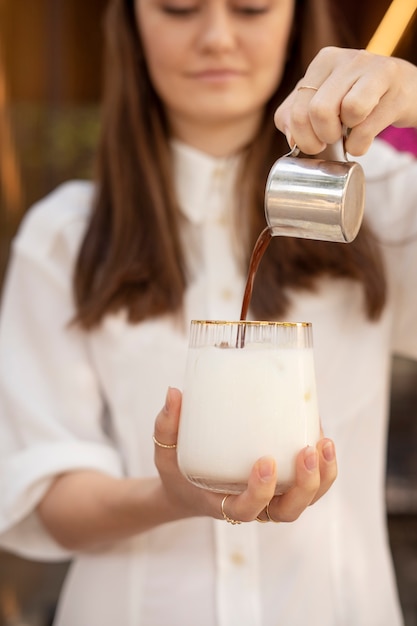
{"type": "Point", "coordinates": [249, 392]}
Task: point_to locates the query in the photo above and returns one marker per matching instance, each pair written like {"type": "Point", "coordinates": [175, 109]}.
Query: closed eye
{"type": "Point", "coordinates": [184, 11]}
{"type": "Point", "coordinates": [248, 10]}
{"type": "Point", "coordinates": [179, 11]}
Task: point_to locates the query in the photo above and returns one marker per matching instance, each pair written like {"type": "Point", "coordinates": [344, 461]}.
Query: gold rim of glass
{"type": "Point", "coordinates": [252, 323]}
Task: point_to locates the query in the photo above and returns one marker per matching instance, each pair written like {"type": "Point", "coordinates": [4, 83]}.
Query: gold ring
{"type": "Point", "coordinates": [228, 519]}
{"type": "Point", "coordinates": [271, 519]}
{"type": "Point", "coordinates": [307, 87]}
{"type": "Point", "coordinates": [262, 521]}
{"type": "Point", "coordinates": [168, 446]}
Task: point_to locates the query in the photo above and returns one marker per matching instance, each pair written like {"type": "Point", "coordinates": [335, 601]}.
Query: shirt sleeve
{"type": "Point", "coordinates": [51, 405]}
{"type": "Point", "coordinates": [392, 194]}
{"type": "Point", "coordinates": [404, 291]}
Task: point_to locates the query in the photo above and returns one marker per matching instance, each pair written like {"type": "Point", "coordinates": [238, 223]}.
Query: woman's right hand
{"type": "Point", "coordinates": [354, 89]}
{"type": "Point", "coordinates": [316, 470]}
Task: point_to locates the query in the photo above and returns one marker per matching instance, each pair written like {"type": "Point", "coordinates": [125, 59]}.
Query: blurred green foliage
{"type": "Point", "coordinates": [53, 144]}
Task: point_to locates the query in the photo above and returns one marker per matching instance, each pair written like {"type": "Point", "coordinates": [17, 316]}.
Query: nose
{"type": "Point", "coordinates": [217, 30]}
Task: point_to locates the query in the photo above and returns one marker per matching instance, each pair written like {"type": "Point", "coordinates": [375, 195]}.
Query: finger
{"type": "Point", "coordinates": [315, 118]}
{"type": "Point", "coordinates": [372, 77]}
{"type": "Point", "coordinates": [261, 486]}
{"type": "Point", "coordinates": [289, 506]}
{"type": "Point", "coordinates": [292, 118]}
{"type": "Point", "coordinates": [326, 113]}
{"type": "Point", "coordinates": [360, 101]}
{"type": "Point", "coordinates": [350, 85]}
{"type": "Point", "coordinates": [350, 93]}
{"type": "Point", "coordinates": [327, 467]}
{"type": "Point", "coordinates": [300, 124]}
{"type": "Point", "coordinates": [166, 423]}
{"type": "Point", "coordinates": [375, 123]}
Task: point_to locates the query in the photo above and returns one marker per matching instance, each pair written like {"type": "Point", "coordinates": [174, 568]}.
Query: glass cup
{"type": "Point", "coordinates": [249, 391]}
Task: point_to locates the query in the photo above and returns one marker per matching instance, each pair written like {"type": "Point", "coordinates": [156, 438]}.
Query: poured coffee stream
{"type": "Point", "coordinates": [258, 251]}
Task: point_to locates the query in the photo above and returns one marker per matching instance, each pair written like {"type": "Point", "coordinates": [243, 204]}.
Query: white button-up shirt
{"type": "Point", "coordinates": [75, 400]}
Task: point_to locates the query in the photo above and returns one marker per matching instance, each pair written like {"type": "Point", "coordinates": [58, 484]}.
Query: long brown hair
{"type": "Point", "coordinates": [131, 257]}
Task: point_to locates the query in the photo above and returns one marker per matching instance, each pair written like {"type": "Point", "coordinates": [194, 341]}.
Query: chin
{"type": "Point", "coordinates": [222, 109]}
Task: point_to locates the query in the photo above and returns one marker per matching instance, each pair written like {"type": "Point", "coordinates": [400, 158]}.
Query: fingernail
{"type": "Point", "coordinates": [310, 458]}
{"type": "Point", "coordinates": [328, 451]}
{"type": "Point", "coordinates": [265, 469]}
{"type": "Point", "coordinates": [167, 400]}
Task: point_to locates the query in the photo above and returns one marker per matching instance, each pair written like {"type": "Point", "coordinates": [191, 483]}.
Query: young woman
{"type": "Point", "coordinates": [105, 278]}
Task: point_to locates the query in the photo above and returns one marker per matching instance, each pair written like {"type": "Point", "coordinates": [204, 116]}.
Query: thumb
{"type": "Point", "coordinates": [167, 420]}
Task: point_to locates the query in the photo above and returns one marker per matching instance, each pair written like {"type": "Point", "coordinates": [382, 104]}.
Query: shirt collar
{"type": "Point", "coordinates": [196, 175]}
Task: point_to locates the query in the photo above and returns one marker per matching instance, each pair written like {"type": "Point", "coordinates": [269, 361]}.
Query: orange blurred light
{"type": "Point", "coordinates": [392, 27]}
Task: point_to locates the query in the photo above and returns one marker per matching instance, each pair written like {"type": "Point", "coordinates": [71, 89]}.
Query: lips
{"type": "Point", "coordinates": [217, 74]}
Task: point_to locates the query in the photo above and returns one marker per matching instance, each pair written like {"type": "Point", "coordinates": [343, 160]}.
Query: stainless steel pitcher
{"type": "Point", "coordinates": [314, 198]}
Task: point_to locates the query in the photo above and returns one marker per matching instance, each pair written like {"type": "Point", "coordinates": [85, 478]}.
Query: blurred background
{"type": "Point", "coordinates": [50, 85]}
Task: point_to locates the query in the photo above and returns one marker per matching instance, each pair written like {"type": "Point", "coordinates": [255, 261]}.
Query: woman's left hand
{"type": "Point", "coordinates": [352, 88]}
{"type": "Point", "coordinates": [316, 470]}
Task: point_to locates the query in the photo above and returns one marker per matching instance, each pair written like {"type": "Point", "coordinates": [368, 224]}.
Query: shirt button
{"type": "Point", "coordinates": [218, 173]}
{"type": "Point", "coordinates": [226, 294]}
{"type": "Point", "coordinates": [237, 559]}
{"type": "Point", "coordinates": [222, 220]}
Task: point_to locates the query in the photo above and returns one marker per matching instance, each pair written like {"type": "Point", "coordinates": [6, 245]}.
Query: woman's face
{"type": "Point", "coordinates": [214, 63]}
